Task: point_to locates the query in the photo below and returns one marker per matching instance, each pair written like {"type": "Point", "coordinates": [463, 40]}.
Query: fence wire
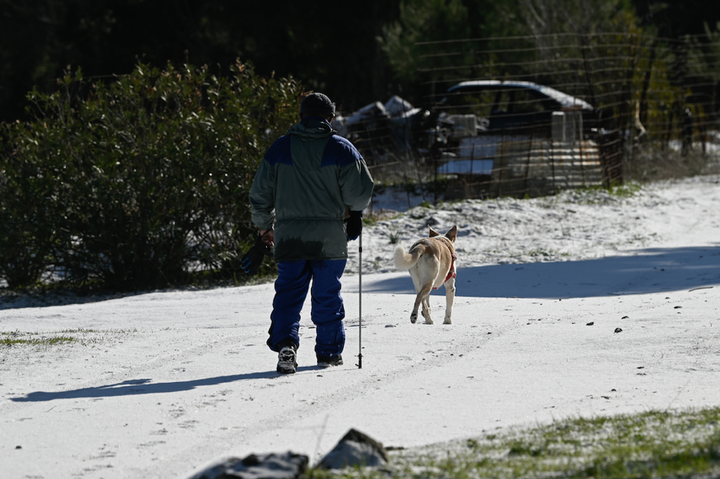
{"type": "Point", "coordinates": [540, 113]}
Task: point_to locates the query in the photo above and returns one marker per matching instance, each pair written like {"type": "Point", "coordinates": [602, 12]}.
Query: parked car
{"type": "Point", "coordinates": [514, 107]}
{"type": "Point", "coordinates": [517, 136]}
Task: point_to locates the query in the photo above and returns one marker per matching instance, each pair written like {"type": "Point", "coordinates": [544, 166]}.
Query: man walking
{"type": "Point", "coordinates": [307, 200]}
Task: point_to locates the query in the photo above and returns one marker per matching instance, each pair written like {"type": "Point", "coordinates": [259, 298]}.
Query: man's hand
{"type": "Point", "coordinates": [253, 259]}
{"type": "Point", "coordinates": [354, 225]}
{"type": "Point", "coordinates": [268, 237]}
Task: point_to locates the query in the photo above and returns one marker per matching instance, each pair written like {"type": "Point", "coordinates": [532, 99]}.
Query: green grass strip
{"type": "Point", "coordinates": [675, 444]}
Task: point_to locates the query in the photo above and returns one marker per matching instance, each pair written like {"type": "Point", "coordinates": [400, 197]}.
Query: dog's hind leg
{"type": "Point", "coordinates": [426, 309]}
{"type": "Point", "coordinates": [422, 297]}
{"type": "Point", "coordinates": [414, 314]}
{"type": "Point", "coordinates": [450, 299]}
{"type": "Point", "coordinates": [418, 288]}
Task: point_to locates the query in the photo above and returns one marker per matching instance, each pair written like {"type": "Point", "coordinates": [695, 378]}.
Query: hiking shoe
{"type": "Point", "coordinates": [327, 361]}
{"type": "Point", "coordinates": [286, 360]}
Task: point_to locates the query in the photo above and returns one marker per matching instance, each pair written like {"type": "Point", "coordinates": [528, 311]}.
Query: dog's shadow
{"type": "Point", "coordinates": [648, 271]}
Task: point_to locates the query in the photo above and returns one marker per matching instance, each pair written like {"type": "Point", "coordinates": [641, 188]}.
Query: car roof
{"type": "Point", "coordinates": [564, 99]}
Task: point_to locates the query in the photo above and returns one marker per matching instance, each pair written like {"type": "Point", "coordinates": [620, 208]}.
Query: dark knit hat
{"type": "Point", "coordinates": [317, 104]}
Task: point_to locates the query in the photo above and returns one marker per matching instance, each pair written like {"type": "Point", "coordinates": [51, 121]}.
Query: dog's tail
{"type": "Point", "coordinates": [403, 260]}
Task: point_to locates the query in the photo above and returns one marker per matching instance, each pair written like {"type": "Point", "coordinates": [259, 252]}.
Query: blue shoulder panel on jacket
{"type": "Point", "coordinates": [279, 152]}
{"type": "Point", "coordinates": [340, 151]}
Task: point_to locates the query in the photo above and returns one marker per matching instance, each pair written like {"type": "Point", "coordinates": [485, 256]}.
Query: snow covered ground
{"type": "Point", "coordinates": [577, 305]}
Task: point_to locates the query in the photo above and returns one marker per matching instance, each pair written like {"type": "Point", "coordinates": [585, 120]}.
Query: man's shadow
{"type": "Point", "coordinates": [133, 387]}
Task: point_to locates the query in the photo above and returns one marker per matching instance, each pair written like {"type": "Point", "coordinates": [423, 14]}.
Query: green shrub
{"type": "Point", "coordinates": [136, 182]}
{"type": "Point", "coordinates": [26, 225]}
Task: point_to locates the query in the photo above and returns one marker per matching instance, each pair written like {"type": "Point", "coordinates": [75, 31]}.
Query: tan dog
{"type": "Point", "coordinates": [432, 263]}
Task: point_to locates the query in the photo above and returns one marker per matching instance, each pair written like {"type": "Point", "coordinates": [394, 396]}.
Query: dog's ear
{"type": "Point", "coordinates": [433, 233]}
{"type": "Point", "coordinates": [452, 234]}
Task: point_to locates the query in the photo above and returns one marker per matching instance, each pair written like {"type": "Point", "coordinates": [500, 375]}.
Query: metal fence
{"type": "Point", "coordinates": [526, 116]}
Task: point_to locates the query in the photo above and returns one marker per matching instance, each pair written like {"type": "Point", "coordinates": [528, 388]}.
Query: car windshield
{"type": "Point", "coordinates": [523, 100]}
{"type": "Point", "coordinates": [496, 99]}
{"type": "Point", "coordinates": [476, 102]}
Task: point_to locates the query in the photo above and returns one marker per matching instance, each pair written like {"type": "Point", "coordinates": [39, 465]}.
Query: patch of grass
{"type": "Point", "coordinates": [594, 195]}
{"type": "Point", "coordinates": [11, 340]}
{"type": "Point", "coordinates": [655, 444]}
{"type": "Point", "coordinates": [80, 336]}
{"type": "Point", "coordinates": [395, 236]}
{"type": "Point", "coordinates": [370, 220]}
{"type": "Point", "coordinates": [625, 190]}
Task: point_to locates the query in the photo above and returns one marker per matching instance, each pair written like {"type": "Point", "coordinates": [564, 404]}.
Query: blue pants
{"type": "Point", "coordinates": [327, 311]}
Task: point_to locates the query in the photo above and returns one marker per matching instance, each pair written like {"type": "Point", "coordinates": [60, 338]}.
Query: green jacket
{"type": "Point", "coordinates": [306, 182]}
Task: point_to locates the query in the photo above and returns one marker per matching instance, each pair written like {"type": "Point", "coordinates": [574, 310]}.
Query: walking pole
{"type": "Point", "coordinates": [360, 305]}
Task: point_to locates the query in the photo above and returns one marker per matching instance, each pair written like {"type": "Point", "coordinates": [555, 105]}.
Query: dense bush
{"type": "Point", "coordinates": [135, 182]}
